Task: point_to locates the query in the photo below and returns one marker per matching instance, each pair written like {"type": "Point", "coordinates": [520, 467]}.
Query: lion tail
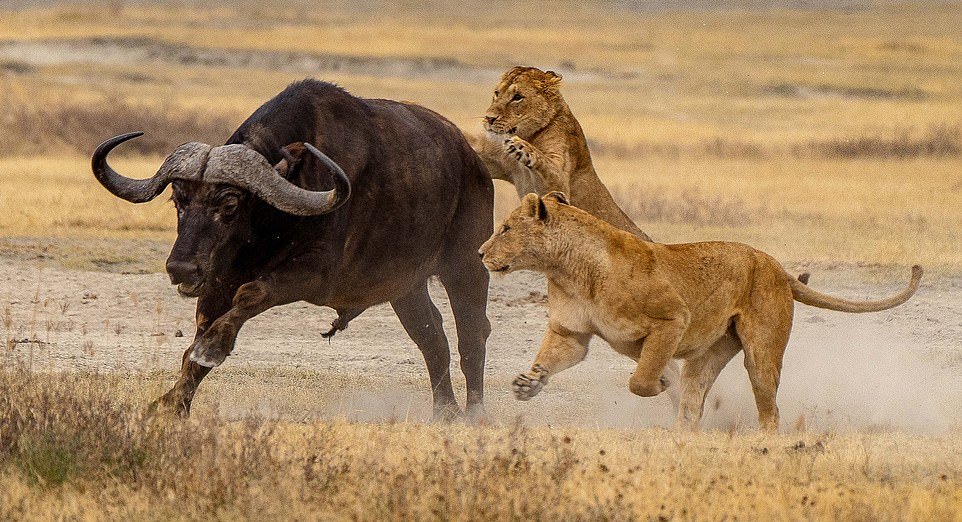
{"type": "Point", "coordinates": [806, 295]}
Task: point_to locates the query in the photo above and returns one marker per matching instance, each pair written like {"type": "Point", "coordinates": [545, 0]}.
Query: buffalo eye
{"type": "Point", "coordinates": [227, 205]}
{"type": "Point", "coordinates": [517, 97]}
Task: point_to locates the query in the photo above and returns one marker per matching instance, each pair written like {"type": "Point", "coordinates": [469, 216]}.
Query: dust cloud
{"type": "Point", "coordinates": [854, 375]}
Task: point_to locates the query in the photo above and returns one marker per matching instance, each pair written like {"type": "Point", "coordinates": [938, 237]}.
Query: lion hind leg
{"type": "Point", "coordinates": [764, 339]}
{"type": "Point", "coordinates": [698, 377]}
{"type": "Point", "coordinates": [672, 375]}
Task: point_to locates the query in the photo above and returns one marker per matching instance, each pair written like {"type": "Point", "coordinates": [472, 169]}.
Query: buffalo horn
{"type": "Point", "coordinates": [187, 162]}
{"type": "Point", "coordinates": [244, 167]}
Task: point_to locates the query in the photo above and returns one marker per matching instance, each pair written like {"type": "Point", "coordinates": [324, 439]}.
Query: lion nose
{"type": "Point", "coordinates": [490, 119]}
{"type": "Point", "coordinates": [480, 253]}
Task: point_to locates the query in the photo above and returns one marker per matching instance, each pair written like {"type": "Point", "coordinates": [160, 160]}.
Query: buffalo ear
{"type": "Point", "coordinates": [558, 196]}
{"type": "Point", "coordinates": [289, 166]}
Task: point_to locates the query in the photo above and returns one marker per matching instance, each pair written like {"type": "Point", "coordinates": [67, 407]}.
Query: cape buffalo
{"type": "Point", "coordinates": [396, 196]}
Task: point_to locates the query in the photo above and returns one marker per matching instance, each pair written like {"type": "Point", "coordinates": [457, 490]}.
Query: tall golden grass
{"type": "Point", "coordinates": [75, 446]}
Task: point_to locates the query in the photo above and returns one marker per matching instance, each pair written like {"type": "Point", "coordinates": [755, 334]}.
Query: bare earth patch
{"type": "Point", "coordinates": [895, 369]}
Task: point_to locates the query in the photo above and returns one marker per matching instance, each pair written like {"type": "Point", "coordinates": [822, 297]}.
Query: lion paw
{"type": "Point", "coordinates": [520, 150]}
{"type": "Point", "coordinates": [525, 387]}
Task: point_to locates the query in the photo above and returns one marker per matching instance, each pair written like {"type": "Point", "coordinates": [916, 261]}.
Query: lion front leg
{"type": "Point", "coordinates": [550, 175]}
{"type": "Point", "coordinates": [655, 353]}
{"type": "Point", "coordinates": [561, 349]}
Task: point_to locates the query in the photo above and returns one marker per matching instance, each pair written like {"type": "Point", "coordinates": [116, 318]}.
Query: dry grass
{"type": "Point", "coordinates": [33, 125]}
{"type": "Point", "coordinates": [77, 446]}
{"type": "Point", "coordinates": [57, 196]}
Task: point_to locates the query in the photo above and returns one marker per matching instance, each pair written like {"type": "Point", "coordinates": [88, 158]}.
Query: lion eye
{"type": "Point", "coordinates": [517, 97]}
{"type": "Point", "coordinates": [495, 94]}
{"type": "Point", "coordinates": [504, 229]}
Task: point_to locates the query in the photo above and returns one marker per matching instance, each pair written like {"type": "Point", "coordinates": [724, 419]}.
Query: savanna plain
{"type": "Point", "coordinates": [829, 136]}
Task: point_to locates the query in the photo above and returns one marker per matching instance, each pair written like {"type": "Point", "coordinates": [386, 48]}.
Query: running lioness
{"type": "Point", "coordinates": [654, 302]}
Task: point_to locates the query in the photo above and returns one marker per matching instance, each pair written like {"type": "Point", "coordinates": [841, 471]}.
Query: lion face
{"type": "Point", "coordinates": [525, 101]}
{"type": "Point", "coordinates": [525, 239]}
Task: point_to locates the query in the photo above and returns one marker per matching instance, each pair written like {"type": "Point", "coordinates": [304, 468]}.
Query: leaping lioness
{"type": "Point", "coordinates": [654, 302]}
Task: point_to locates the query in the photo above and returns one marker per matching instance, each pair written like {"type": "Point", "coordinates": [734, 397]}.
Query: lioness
{"type": "Point", "coordinates": [534, 141]}
{"type": "Point", "coordinates": [701, 302]}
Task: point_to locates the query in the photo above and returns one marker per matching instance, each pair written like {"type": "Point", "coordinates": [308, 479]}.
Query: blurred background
{"type": "Point", "coordinates": [822, 132]}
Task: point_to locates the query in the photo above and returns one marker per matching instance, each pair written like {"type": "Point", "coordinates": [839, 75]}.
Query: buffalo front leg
{"type": "Point", "coordinates": [560, 349]}
{"type": "Point", "coordinates": [212, 348]}
{"type": "Point", "coordinates": [422, 322]}
{"type": "Point", "coordinates": [180, 396]}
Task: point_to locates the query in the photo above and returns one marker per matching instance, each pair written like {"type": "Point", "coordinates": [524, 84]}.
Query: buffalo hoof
{"type": "Point", "coordinates": [207, 354]}
{"type": "Point", "coordinates": [475, 414]}
{"type": "Point", "coordinates": [447, 413]}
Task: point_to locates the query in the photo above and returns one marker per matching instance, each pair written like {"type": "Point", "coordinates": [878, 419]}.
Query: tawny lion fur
{"type": "Point", "coordinates": [534, 141]}
{"type": "Point", "coordinates": [700, 302]}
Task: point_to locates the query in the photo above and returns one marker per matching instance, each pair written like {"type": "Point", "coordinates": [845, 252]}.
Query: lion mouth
{"type": "Point", "coordinates": [500, 131]}
{"type": "Point", "coordinates": [499, 269]}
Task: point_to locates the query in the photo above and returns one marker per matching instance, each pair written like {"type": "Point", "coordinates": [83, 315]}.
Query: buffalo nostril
{"type": "Point", "coordinates": [182, 271]}
{"type": "Point", "coordinates": [490, 119]}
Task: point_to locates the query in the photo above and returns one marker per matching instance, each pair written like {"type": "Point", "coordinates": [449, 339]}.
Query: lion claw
{"type": "Point", "coordinates": [526, 387]}
{"type": "Point", "coordinates": [515, 146]}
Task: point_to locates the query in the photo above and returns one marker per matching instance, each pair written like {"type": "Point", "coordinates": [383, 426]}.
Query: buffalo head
{"type": "Point", "coordinates": [213, 190]}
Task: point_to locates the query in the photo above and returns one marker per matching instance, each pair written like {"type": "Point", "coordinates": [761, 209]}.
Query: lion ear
{"type": "Point", "coordinates": [534, 207]}
{"type": "Point", "coordinates": [558, 196]}
{"type": "Point", "coordinates": [530, 204]}
{"type": "Point", "coordinates": [542, 211]}
{"type": "Point", "coordinates": [552, 79]}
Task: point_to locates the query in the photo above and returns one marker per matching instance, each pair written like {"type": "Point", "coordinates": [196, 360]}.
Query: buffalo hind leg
{"type": "Point", "coordinates": [467, 287]}
{"type": "Point", "coordinates": [180, 396]}
{"type": "Point", "coordinates": [422, 322]}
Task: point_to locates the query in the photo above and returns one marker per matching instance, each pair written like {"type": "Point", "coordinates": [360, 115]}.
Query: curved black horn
{"type": "Point", "coordinates": [342, 185]}
{"type": "Point", "coordinates": [243, 166]}
{"type": "Point", "coordinates": [134, 190]}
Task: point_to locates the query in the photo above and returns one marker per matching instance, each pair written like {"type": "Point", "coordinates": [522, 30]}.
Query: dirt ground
{"type": "Point", "coordinates": [898, 369]}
